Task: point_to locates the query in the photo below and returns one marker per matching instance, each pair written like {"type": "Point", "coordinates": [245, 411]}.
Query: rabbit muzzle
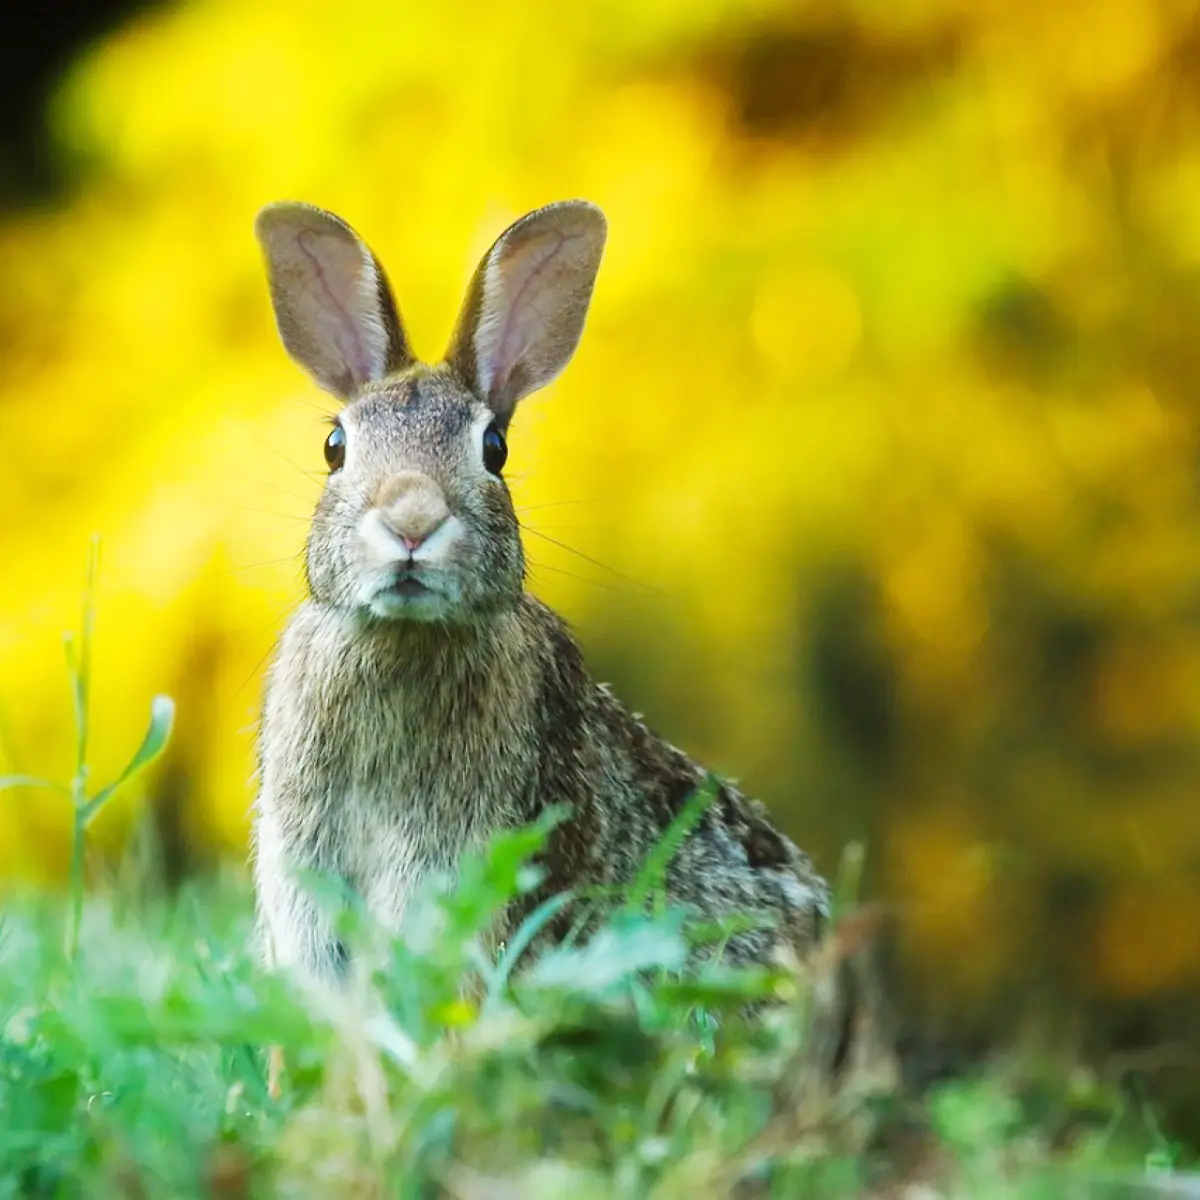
{"type": "Point", "coordinates": [408, 538]}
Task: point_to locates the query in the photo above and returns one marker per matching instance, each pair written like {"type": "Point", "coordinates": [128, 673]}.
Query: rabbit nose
{"type": "Point", "coordinates": [412, 507]}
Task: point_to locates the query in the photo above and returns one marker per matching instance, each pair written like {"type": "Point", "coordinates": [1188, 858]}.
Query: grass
{"type": "Point", "coordinates": [132, 1059]}
{"type": "Point", "coordinates": [137, 1069]}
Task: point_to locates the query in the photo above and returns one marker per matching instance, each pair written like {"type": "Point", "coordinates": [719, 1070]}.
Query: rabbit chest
{"type": "Point", "coordinates": [389, 752]}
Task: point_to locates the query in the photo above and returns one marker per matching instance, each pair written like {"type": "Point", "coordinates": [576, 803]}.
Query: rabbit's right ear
{"type": "Point", "coordinates": [333, 305]}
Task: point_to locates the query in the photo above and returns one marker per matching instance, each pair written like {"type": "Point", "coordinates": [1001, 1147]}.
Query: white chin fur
{"type": "Point", "coordinates": [429, 606]}
{"type": "Point", "coordinates": [438, 602]}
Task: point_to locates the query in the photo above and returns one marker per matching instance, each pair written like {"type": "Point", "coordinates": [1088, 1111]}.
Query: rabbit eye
{"type": "Point", "coordinates": [335, 448]}
{"type": "Point", "coordinates": [495, 450]}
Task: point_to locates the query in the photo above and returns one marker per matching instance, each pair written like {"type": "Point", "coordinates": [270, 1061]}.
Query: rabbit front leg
{"type": "Point", "coordinates": [296, 933]}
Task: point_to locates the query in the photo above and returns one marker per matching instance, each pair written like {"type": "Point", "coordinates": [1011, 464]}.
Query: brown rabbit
{"type": "Point", "coordinates": [420, 700]}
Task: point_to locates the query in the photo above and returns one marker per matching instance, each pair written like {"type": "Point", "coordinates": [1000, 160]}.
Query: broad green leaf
{"type": "Point", "coordinates": [613, 955]}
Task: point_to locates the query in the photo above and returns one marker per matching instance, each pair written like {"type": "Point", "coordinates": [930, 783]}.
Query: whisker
{"type": "Point", "coordinates": [594, 561]}
{"type": "Point", "coordinates": [322, 520]}
{"type": "Point", "coordinates": [275, 450]}
{"type": "Point", "coordinates": [608, 587]}
{"type": "Point", "coordinates": [282, 619]}
{"type": "Point", "coordinates": [525, 508]}
{"type": "Point", "coordinates": [327, 411]}
{"type": "Point", "coordinates": [267, 512]}
{"type": "Point", "coordinates": [310, 499]}
{"type": "Point", "coordinates": [270, 562]}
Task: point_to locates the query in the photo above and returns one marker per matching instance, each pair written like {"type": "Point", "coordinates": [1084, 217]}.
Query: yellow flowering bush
{"type": "Point", "coordinates": [883, 427]}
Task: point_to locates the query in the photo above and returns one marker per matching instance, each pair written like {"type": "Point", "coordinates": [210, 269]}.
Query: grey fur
{"type": "Point", "coordinates": [400, 731]}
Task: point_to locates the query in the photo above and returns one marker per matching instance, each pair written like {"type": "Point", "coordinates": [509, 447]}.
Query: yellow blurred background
{"type": "Point", "coordinates": [884, 425]}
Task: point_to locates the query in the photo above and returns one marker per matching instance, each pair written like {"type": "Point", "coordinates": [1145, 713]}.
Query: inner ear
{"type": "Point", "coordinates": [527, 302]}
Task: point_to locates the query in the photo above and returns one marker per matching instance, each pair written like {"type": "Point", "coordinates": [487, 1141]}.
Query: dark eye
{"type": "Point", "coordinates": [495, 450]}
{"type": "Point", "coordinates": [335, 448]}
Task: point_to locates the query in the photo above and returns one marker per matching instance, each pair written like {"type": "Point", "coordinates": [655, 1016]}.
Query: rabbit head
{"type": "Point", "coordinates": [416, 521]}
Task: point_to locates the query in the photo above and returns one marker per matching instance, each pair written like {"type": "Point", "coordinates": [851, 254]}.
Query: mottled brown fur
{"type": "Point", "coordinates": [399, 732]}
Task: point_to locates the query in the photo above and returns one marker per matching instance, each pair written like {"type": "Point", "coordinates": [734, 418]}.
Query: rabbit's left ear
{"type": "Point", "coordinates": [526, 305]}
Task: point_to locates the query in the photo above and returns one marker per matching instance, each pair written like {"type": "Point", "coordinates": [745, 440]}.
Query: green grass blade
{"type": "Point", "coordinates": [79, 664]}
{"type": "Point", "coordinates": [654, 869]}
{"type": "Point", "coordinates": [848, 883]}
{"type": "Point", "coordinates": [19, 781]}
{"type": "Point", "coordinates": [520, 941]}
{"type": "Point", "coordinates": [162, 718]}
{"type": "Point", "coordinates": [78, 701]}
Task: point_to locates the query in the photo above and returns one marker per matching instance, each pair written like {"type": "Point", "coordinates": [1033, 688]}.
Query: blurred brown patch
{"type": "Point", "coordinates": [821, 80]}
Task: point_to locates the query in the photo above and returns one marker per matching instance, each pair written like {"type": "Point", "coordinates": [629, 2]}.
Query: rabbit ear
{"type": "Point", "coordinates": [333, 305]}
{"type": "Point", "coordinates": [526, 305]}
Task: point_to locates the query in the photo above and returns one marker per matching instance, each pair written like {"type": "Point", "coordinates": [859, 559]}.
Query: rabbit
{"type": "Point", "coordinates": [420, 700]}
